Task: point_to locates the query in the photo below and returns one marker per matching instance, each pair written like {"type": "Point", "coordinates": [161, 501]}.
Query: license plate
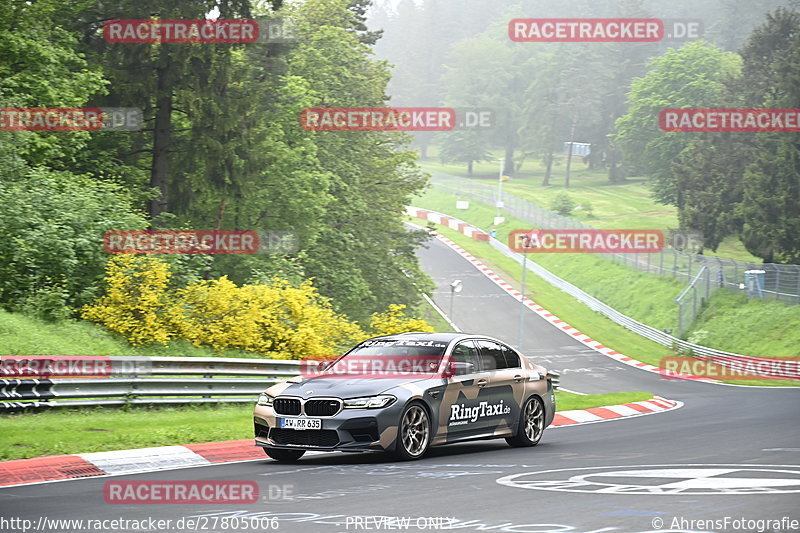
{"type": "Point", "coordinates": [301, 423]}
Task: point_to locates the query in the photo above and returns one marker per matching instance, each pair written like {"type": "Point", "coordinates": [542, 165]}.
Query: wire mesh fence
{"type": "Point", "coordinates": [702, 274]}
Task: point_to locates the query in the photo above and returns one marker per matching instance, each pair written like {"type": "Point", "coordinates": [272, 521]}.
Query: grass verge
{"type": "Point", "coordinates": [567, 401]}
{"type": "Point", "coordinates": [23, 335]}
{"type": "Point", "coordinates": [645, 297]}
{"type": "Point", "coordinates": [575, 313]}
{"type": "Point", "coordinates": [104, 429]}
{"type": "Point", "coordinates": [613, 206]}
{"type": "Point", "coordinates": [730, 322]}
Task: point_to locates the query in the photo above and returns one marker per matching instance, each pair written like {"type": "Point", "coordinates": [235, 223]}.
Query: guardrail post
{"type": "Point", "coordinates": [674, 263]}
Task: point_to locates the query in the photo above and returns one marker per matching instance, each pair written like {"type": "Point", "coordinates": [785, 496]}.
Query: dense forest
{"type": "Point", "coordinates": [221, 148]}
{"type": "Point", "coordinates": [609, 95]}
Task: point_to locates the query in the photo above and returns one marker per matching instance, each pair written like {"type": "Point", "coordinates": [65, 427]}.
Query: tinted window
{"type": "Point", "coordinates": [466, 352]}
{"type": "Point", "coordinates": [511, 357]}
{"type": "Point", "coordinates": [492, 357]}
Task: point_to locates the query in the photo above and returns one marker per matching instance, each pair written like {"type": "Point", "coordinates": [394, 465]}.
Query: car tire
{"type": "Point", "coordinates": [284, 456]}
{"type": "Point", "coordinates": [413, 433]}
{"type": "Point", "coordinates": [531, 424]}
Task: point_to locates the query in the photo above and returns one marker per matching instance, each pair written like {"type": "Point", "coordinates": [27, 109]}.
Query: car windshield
{"type": "Point", "coordinates": [392, 356]}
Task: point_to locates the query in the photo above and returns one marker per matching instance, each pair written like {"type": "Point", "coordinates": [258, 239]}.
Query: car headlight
{"type": "Point", "coordinates": [369, 402]}
{"type": "Point", "coordinates": [265, 400]}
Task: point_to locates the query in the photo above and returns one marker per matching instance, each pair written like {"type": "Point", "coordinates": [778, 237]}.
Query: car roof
{"type": "Point", "coordinates": [447, 337]}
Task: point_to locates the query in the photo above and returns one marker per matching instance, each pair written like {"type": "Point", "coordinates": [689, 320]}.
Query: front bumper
{"type": "Point", "coordinates": [349, 430]}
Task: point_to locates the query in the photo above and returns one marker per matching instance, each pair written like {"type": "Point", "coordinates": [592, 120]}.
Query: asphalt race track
{"type": "Point", "coordinates": [730, 457]}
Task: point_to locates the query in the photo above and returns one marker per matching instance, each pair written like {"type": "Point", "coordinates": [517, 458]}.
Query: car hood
{"type": "Point", "coordinates": [347, 387]}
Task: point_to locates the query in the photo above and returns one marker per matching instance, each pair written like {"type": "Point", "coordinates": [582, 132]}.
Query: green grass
{"type": "Point", "coordinates": [561, 304]}
{"type": "Point", "coordinates": [648, 298]}
{"type": "Point", "coordinates": [94, 430]}
{"type": "Point", "coordinates": [426, 312]}
{"type": "Point", "coordinates": [592, 323]}
{"type": "Point", "coordinates": [760, 327]}
{"type": "Point", "coordinates": [70, 431]}
{"type": "Point", "coordinates": [731, 322]}
{"type": "Point", "coordinates": [566, 401]}
{"type": "Point", "coordinates": [614, 206]}
{"type": "Point", "coordinates": [22, 335]}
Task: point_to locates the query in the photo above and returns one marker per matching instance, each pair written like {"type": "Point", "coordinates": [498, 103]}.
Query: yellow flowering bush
{"type": "Point", "coordinates": [393, 320]}
{"type": "Point", "coordinates": [277, 319]}
{"type": "Point", "coordinates": [137, 303]}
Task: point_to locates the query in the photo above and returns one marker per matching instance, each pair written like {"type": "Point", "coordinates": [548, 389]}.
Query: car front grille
{"type": "Point", "coordinates": [322, 407]}
{"type": "Point", "coordinates": [326, 438]}
{"type": "Point", "coordinates": [286, 406]}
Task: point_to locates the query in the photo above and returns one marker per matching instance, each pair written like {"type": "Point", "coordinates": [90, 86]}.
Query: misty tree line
{"type": "Point", "coordinates": [221, 148]}
{"type": "Point", "coordinates": [610, 94]}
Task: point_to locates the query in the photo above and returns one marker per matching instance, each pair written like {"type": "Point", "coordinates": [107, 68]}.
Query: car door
{"type": "Point", "coordinates": [458, 417]}
{"type": "Point", "coordinates": [506, 387]}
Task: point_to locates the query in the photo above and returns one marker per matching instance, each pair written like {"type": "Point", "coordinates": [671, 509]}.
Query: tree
{"type": "Point", "coordinates": [464, 146]}
{"type": "Point", "coordinates": [41, 66]}
{"type": "Point", "coordinates": [363, 258]}
{"type": "Point", "coordinates": [709, 176]}
{"type": "Point", "coordinates": [53, 225]}
{"type": "Point", "coordinates": [563, 204]}
{"type": "Point", "coordinates": [688, 77]}
{"type": "Point", "coordinates": [771, 204]}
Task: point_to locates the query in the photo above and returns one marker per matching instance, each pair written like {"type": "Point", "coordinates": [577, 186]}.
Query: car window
{"type": "Point", "coordinates": [511, 357]}
{"type": "Point", "coordinates": [491, 355]}
{"type": "Point", "coordinates": [466, 353]}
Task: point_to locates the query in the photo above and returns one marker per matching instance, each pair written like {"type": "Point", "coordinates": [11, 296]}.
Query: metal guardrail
{"type": "Point", "coordinates": [780, 282]}
{"type": "Point", "coordinates": [648, 332]}
{"type": "Point", "coordinates": [152, 380]}
{"type": "Point", "coordinates": [717, 356]}
{"type": "Point", "coordinates": [155, 380]}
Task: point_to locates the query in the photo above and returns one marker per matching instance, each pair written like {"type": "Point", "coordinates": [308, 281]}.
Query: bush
{"type": "Point", "coordinates": [276, 318]}
{"type": "Point", "coordinates": [393, 320]}
{"type": "Point", "coordinates": [51, 233]}
{"type": "Point", "coordinates": [138, 304]}
{"type": "Point", "coordinates": [279, 319]}
{"type": "Point", "coordinates": [563, 204]}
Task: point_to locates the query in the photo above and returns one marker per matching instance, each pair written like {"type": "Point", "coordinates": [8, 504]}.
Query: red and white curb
{"type": "Point", "coordinates": [541, 311]}
{"type": "Point", "coordinates": [62, 467]}
{"type": "Point", "coordinates": [614, 412]}
{"type": "Point", "coordinates": [137, 461]}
